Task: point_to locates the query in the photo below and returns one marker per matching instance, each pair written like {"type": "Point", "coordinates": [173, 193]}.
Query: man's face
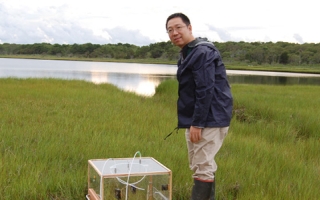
{"type": "Point", "coordinates": [179, 33]}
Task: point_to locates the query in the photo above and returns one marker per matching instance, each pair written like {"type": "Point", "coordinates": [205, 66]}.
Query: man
{"type": "Point", "coordinates": [204, 103]}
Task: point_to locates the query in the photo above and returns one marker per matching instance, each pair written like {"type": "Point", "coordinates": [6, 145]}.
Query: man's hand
{"type": "Point", "coordinates": [195, 134]}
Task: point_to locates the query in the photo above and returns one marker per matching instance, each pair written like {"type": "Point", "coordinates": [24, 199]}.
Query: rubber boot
{"type": "Point", "coordinates": [201, 190]}
{"type": "Point", "coordinates": [213, 192]}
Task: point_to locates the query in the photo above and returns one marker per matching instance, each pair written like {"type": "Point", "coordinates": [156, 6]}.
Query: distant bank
{"type": "Point", "coordinates": [312, 69]}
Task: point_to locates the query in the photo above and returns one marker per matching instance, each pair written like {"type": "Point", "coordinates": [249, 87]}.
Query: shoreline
{"type": "Point", "coordinates": [229, 66]}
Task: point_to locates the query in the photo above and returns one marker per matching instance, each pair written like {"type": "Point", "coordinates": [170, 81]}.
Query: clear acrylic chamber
{"type": "Point", "coordinates": [128, 178]}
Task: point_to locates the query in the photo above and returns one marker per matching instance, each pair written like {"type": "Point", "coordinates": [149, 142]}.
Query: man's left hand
{"type": "Point", "coordinates": [195, 134]}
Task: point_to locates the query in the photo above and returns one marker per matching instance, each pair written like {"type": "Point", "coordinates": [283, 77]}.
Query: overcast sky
{"type": "Point", "coordinates": [141, 22]}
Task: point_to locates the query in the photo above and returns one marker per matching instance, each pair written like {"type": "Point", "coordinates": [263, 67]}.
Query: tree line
{"type": "Point", "coordinates": [255, 53]}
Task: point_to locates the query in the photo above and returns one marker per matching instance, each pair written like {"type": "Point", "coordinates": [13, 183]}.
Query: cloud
{"type": "Point", "coordinates": [141, 22]}
{"type": "Point", "coordinates": [43, 25]}
{"type": "Point", "coordinates": [122, 35]}
{"type": "Point", "coordinates": [54, 24]}
{"type": "Point", "coordinates": [298, 38]}
{"type": "Point", "coordinates": [223, 34]}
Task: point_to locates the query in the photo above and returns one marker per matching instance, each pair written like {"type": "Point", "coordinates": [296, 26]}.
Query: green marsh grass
{"type": "Point", "coordinates": [50, 128]}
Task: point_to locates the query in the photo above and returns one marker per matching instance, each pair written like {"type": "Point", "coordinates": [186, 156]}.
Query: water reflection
{"type": "Point", "coordinates": [139, 78]}
{"type": "Point", "coordinates": [272, 78]}
{"type": "Point", "coordinates": [143, 84]}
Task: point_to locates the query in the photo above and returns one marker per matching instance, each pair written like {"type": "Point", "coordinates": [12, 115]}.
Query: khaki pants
{"type": "Point", "coordinates": [201, 154]}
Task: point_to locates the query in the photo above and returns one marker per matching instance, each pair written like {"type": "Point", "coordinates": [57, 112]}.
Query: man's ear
{"type": "Point", "coordinates": [190, 27]}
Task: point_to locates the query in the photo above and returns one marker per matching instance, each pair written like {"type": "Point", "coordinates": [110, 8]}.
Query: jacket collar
{"type": "Point", "coordinates": [198, 41]}
{"type": "Point", "coordinates": [187, 48]}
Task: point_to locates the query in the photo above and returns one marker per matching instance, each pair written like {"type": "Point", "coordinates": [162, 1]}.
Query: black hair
{"type": "Point", "coordinates": [184, 18]}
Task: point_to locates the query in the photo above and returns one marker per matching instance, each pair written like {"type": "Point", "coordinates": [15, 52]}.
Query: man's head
{"type": "Point", "coordinates": [179, 29]}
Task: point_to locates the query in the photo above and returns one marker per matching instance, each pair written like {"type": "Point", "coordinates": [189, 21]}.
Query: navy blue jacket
{"type": "Point", "coordinates": [205, 98]}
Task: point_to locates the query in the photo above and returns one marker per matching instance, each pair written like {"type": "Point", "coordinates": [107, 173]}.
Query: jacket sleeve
{"type": "Point", "coordinates": [204, 79]}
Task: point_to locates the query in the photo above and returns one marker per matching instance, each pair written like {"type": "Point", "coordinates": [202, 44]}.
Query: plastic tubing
{"type": "Point", "coordinates": [120, 180]}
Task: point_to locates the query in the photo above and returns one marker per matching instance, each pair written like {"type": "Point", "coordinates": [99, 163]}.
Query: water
{"type": "Point", "coordinates": [139, 78]}
{"type": "Point", "coordinates": [272, 78]}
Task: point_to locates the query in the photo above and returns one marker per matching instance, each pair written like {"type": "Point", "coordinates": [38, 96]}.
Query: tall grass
{"type": "Point", "coordinates": [49, 128]}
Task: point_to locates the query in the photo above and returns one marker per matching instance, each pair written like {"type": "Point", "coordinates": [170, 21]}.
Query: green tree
{"type": "Point", "coordinates": [284, 58]}
{"type": "Point", "coordinates": [142, 52]}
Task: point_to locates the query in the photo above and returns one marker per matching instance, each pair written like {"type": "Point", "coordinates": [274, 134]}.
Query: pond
{"type": "Point", "coordinates": [139, 78]}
